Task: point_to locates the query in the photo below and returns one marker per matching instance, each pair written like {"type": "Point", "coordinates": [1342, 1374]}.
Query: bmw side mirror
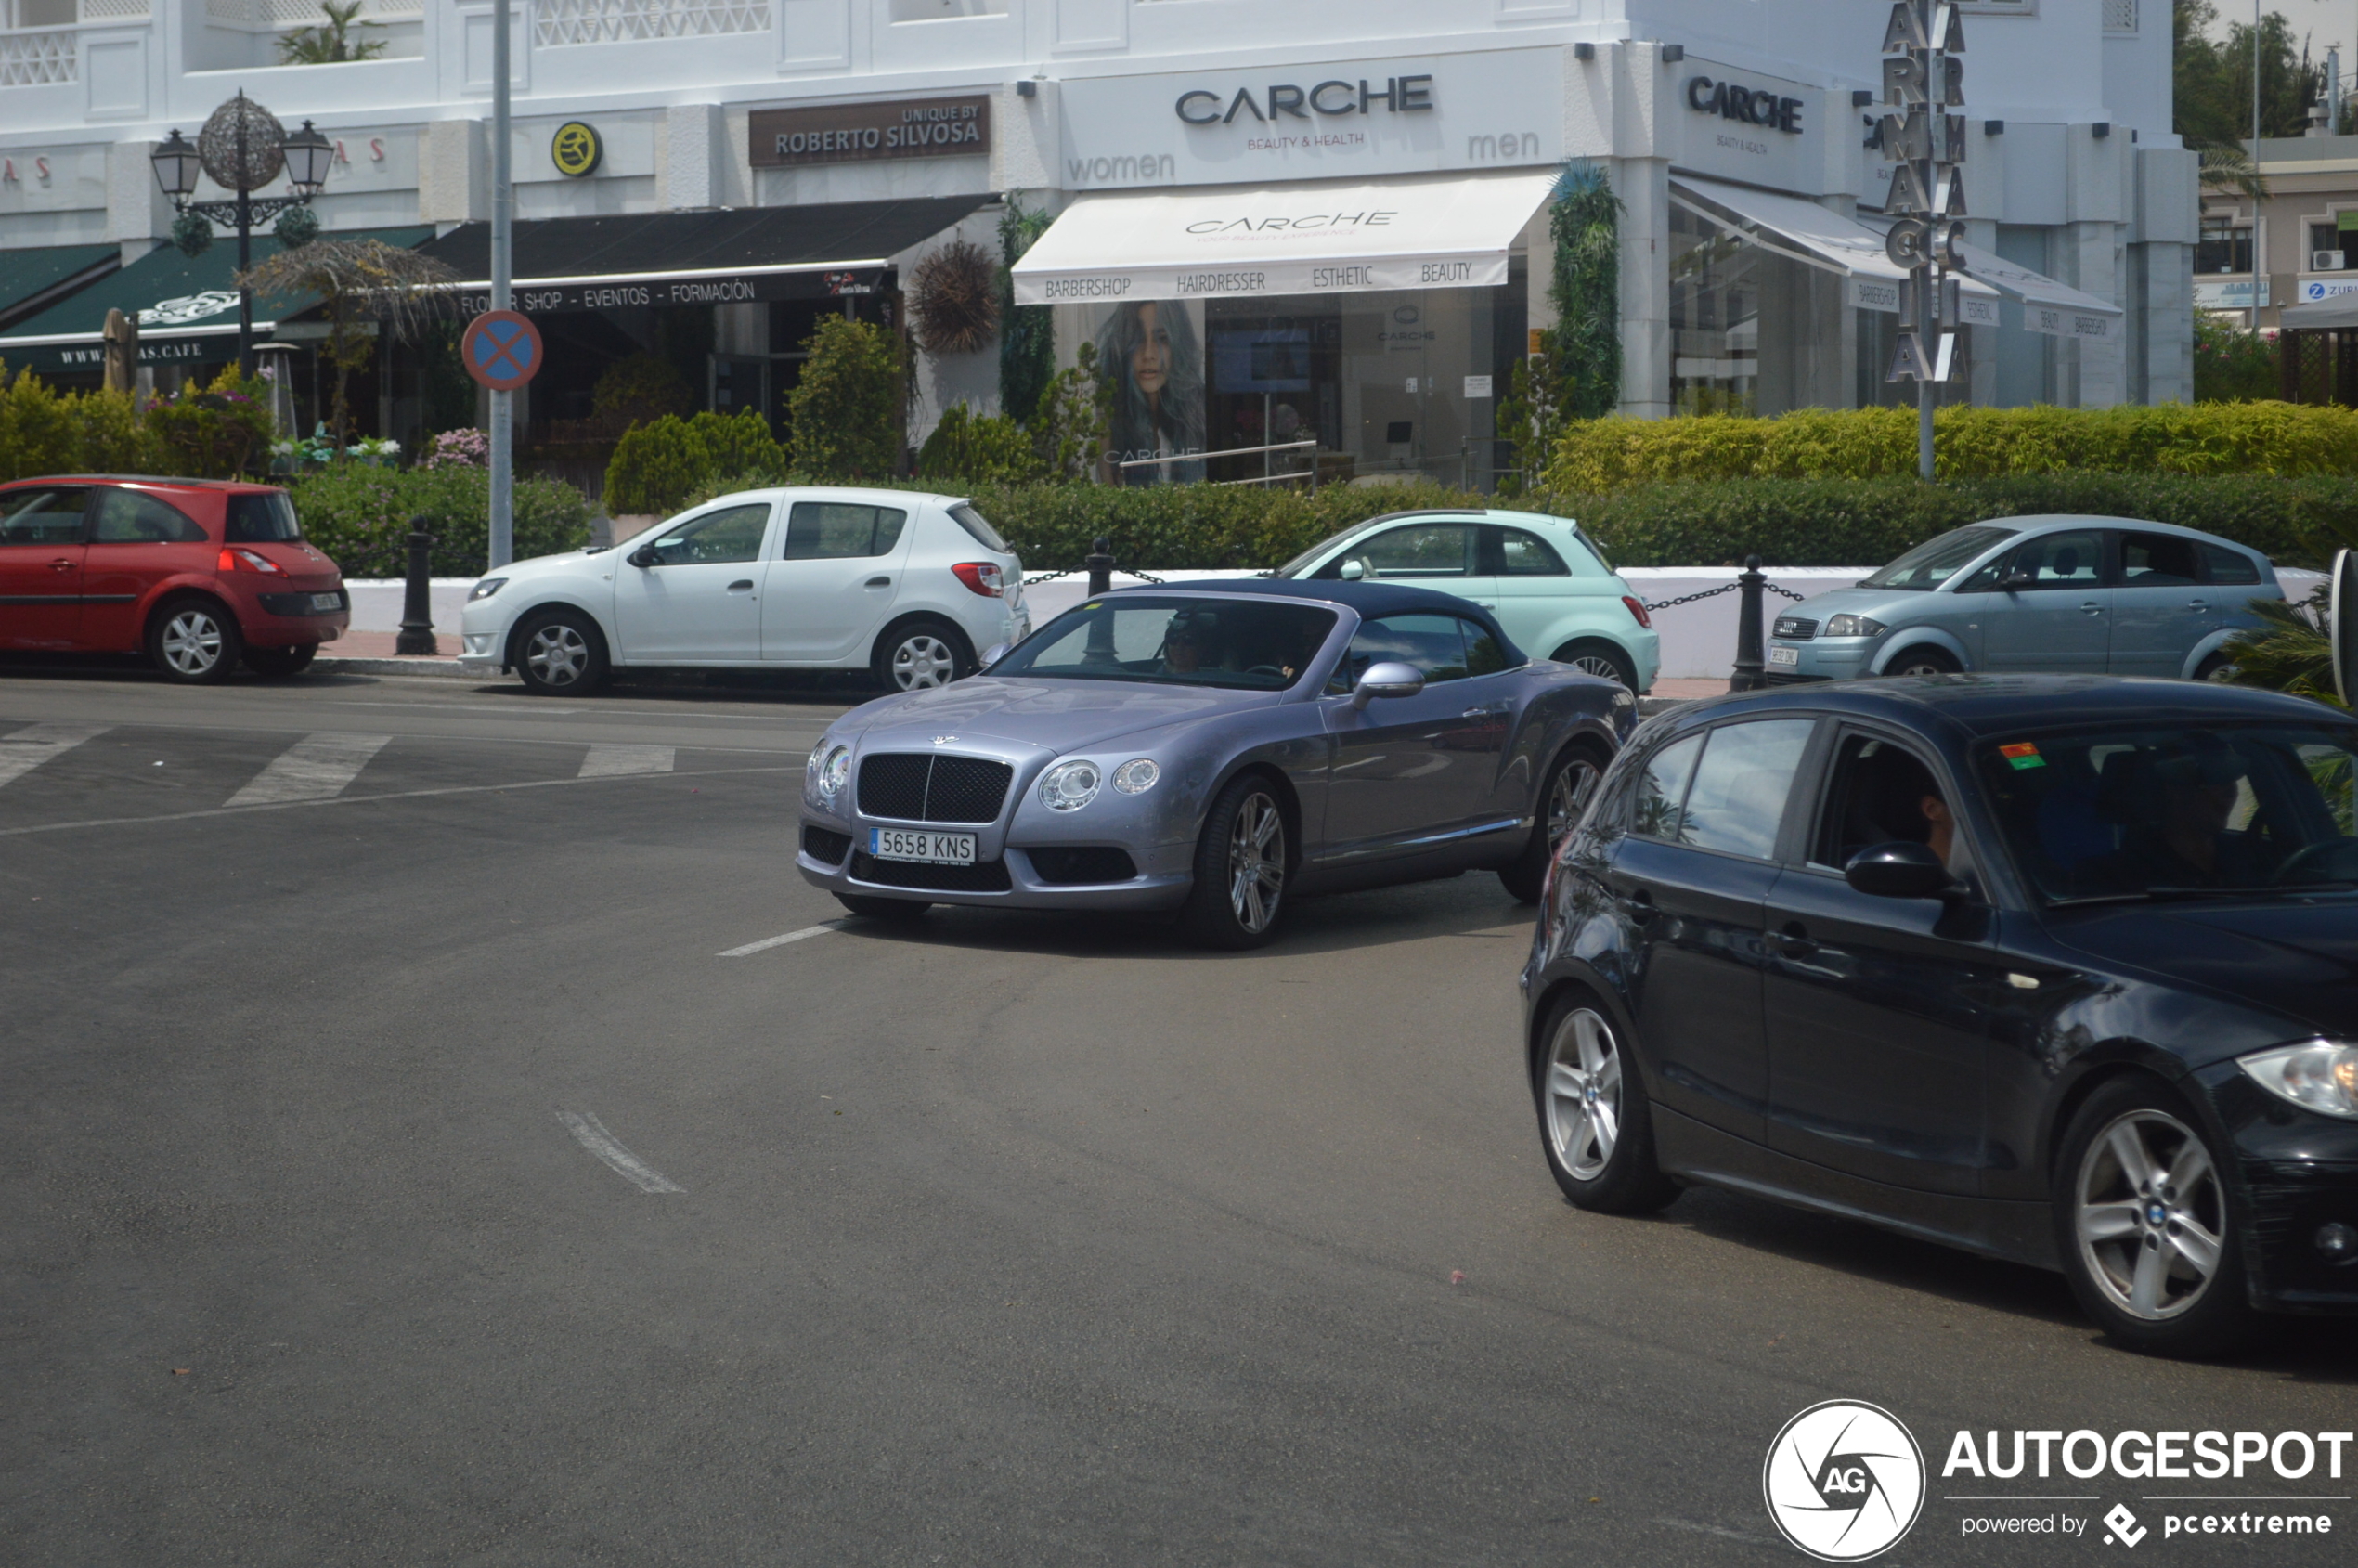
{"type": "Point", "coordinates": [1387, 679]}
{"type": "Point", "coordinates": [993, 654]}
{"type": "Point", "coordinates": [1899, 870]}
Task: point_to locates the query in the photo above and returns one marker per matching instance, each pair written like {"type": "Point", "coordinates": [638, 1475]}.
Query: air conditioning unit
{"type": "Point", "coordinates": [2325, 261]}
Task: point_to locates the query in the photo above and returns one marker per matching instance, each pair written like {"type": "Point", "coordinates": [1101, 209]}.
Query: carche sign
{"type": "Point", "coordinates": [852, 133]}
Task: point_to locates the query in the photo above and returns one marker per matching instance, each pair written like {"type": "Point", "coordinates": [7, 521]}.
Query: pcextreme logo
{"type": "Point", "coordinates": [1844, 1481]}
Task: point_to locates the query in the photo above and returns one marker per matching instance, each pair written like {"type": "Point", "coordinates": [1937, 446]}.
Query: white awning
{"type": "Point", "coordinates": [2057, 309]}
{"type": "Point", "coordinates": [1816, 237]}
{"type": "Point", "coordinates": [1421, 232]}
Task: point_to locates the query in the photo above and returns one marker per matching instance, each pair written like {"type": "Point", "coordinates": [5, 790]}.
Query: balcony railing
{"type": "Point", "coordinates": [613, 21]}
{"type": "Point", "coordinates": [277, 16]}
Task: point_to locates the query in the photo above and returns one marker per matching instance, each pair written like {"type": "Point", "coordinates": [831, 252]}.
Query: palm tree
{"type": "Point", "coordinates": [357, 280]}
{"type": "Point", "coordinates": [332, 43]}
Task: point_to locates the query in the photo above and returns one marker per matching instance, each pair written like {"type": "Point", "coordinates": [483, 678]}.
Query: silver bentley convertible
{"type": "Point", "coordinates": [1216, 753]}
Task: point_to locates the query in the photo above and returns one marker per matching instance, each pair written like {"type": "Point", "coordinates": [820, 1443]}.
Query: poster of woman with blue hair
{"type": "Point", "coordinates": [1152, 351]}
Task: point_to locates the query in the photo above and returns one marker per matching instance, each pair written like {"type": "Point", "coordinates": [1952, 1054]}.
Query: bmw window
{"type": "Point", "coordinates": [1737, 801]}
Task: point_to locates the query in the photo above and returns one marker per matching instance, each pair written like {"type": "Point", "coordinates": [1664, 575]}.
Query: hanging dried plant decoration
{"type": "Point", "coordinates": [953, 299]}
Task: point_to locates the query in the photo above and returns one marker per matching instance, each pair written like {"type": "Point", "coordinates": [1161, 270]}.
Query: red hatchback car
{"type": "Point", "coordinates": [198, 573]}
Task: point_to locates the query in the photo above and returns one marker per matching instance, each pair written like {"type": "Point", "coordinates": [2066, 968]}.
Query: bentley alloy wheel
{"type": "Point", "coordinates": [1568, 798]}
{"type": "Point", "coordinates": [1256, 863]}
{"type": "Point", "coordinates": [1584, 1093]}
{"type": "Point", "coordinates": [2150, 1214]}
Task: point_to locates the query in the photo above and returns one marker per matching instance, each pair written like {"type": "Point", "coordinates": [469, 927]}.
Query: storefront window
{"type": "Point", "coordinates": [1400, 382]}
{"type": "Point", "coordinates": [2225, 246]}
{"type": "Point", "coordinates": [1752, 332]}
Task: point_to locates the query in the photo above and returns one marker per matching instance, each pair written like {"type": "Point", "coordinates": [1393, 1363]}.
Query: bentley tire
{"type": "Point", "coordinates": [1565, 796]}
{"type": "Point", "coordinates": [1240, 869]}
{"type": "Point", "coordinates": [2144, 1222]}
{"type": "Point", "coordinates": [1595, 1122]}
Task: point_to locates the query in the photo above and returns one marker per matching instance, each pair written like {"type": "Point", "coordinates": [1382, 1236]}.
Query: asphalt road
{"type": "Point", "coordinates": [405, 1174]}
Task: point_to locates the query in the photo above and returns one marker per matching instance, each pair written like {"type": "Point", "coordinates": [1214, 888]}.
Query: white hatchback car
{"type": "Point", "coordinates": [906, 584]}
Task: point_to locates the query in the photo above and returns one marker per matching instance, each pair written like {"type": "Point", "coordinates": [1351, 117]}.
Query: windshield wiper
{"type": "Point", "coordinates": [2176, 895]}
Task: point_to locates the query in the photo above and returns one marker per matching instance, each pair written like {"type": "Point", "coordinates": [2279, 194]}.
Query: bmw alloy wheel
{"type": "Point", "coordinates": [1256, 862]}
{"type": "Point", "coordinates": [193, 641]}
{"type": "Point", "coordinates": [2150, 1214]}
{"type": "Point", "coordinates": [1584, 1093]}
{"type": "Point", "coordinates": [558, 654]}
{"type": "Point", "coordinates": [923, 661]}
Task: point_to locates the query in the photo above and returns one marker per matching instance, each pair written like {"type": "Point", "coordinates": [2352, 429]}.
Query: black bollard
{"type": "Point", "coordinates": [417, 601]}
{"type": "Point", "coordinates": [1100, 565]}
{"type": "Point", "coordinates": [1750, 666]}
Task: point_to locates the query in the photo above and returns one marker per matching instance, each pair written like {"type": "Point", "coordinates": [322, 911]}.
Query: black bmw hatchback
{"type": "Point", "coordinates": [2060, 970]}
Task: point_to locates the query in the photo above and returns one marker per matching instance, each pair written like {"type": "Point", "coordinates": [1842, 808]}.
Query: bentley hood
{"type": "Point", "coordinates": [1055, 716]}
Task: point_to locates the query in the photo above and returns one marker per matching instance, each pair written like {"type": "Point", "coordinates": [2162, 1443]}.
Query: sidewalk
{"type": "Point", "coordinates": [371, 652]}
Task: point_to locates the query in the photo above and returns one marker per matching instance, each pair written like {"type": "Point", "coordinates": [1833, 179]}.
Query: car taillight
{"type": "Point", "coordinates": [236, 560]}
{"type": "Point", "coordinates": [981, 575]}
{"type": "Point", "coordinates": [1638, 610]}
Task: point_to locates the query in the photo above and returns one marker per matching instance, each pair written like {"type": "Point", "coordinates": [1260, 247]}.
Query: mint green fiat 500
{"type": "Point", "coordinates": [1545, 580]}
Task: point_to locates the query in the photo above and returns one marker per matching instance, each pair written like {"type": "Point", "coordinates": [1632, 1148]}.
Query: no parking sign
{"type": "Point", "coordinates": [501, 349]}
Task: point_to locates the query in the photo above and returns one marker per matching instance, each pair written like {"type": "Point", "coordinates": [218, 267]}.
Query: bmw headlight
{"type": "Point", "coordinates": [1137, 776]}
{"type": "Point", "coordinates": [1854, 625]}
{"type": "Point", "coordinates": [2320, 1075]}
{"type": "Point", "coordinates": [1069, 787]}
{"type": "Point", "coordinates": [486, 588]}
{"type": "Point", "coordinates": [825, 773]}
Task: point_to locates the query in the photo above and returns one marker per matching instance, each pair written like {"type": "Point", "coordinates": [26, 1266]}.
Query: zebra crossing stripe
{"type": "Point", "coordinates": [23, 750]}
{"type": "Point", "coordinates": [615, 761]}
{"type": "Point", "coordinates": [316, 768]}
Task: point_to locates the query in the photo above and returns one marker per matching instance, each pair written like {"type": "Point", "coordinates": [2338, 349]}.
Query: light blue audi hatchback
{"type": "Point", "coordinates": [2060, 595]}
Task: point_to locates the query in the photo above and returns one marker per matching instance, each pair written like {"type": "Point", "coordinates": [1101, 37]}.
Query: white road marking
{"type": "Point", "coordinates": [316, 768]}
{"type": "Point", "coordinates": [23, 750]}
{"type": "Point", "coordinates": [591, 1135]}
{"type": "Point", "coordinates": [359, 800]}
{"type": "Point", "coordinates": [804, 934]}
{"type": "Point", "coordinates": [613, 761]}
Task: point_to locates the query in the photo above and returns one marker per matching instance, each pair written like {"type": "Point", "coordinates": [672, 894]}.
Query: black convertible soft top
{"type": "Point", "coordinates": [1369, 599]}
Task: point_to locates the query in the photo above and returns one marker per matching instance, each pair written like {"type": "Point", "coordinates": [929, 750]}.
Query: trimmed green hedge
{"type": "Point", "coordinates": [1867, 522]}
{"type": "Point", "coordinates": [359, 516]}
{"type": "Point", "coordinates": [1184, 525]}
{"type": "Point", "coordinates": [2276, 439]}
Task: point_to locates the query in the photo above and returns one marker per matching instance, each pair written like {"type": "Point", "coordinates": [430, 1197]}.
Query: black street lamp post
{"type": "Point", "coordinates": [243, 148]}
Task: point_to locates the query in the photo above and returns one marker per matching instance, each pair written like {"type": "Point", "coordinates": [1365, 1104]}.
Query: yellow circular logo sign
{"type": "Point", "coordinates": [577, 150]}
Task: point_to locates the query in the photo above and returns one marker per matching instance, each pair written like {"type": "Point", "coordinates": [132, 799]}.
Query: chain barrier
{"type": "Point", "coordinates": [1715, 593]}
{"type": "Point", "coordinates": [1031, 578]}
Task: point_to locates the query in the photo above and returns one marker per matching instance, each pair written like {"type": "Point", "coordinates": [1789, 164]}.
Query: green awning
{"type": "Point", "coordinates": [185, 306]}
{"type": "Point", "coordinates": [32, 280]}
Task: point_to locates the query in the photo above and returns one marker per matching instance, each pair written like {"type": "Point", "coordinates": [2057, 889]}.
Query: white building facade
{"type": "Point", "coordinates": [1734, 132]}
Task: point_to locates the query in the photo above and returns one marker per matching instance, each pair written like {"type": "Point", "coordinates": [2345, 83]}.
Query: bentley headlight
{"type": "Point", "coordinates": [825, 773]}
{"type": "Point", "coordinates": [2320, 1075]}
{"type": "Point", "coordinates": [1069, 787]}
{"type": "Point", "coordinates": [486, 588]}
{"type": "Point", "coordinates": [1854, 625]}
{"type": "Point", "coordinates": [1137, 776]}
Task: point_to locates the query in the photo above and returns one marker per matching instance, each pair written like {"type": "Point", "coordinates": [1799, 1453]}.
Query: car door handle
{"type": "Point", "coordinates": [743, 585]}
{"type": "Point", "coordinates": [2091, 608]}
{"type": "Point", "coordinates": [66, 565]}
{"type": "Point", "coordinates": [1639, 907]}
{"type": "Point", "coordinates": [1792, 942]}
{"type": "Point", "coordinates": [879, 582]}
{"type": "Point", "coordinates": [2199, 605]}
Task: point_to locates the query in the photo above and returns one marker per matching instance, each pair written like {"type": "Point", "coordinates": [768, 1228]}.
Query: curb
{"type": "Point", "coordinates": [441, 670]}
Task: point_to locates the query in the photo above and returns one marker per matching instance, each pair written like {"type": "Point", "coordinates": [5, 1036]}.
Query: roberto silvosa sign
{"type": "Point", "coordinates": [854, 132]}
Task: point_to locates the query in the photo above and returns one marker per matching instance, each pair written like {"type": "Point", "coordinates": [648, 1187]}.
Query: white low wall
{"type": "Point", "coordinates": [376, 606]}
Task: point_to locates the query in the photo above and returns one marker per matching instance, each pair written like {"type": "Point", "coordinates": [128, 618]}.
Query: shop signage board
{"type": "Point", "coordinates": [859, 132]}
{"type": "Point", "coordinates": [502, 350]}
{"type": "Point", "coordinates": [2235, 294]}
{"type": "Point", "coordinates": [553, 296]}
{"type": "Point", "coordinates": [1747, 125]}
{"type": "Point", "coordinates": [1330, 119]}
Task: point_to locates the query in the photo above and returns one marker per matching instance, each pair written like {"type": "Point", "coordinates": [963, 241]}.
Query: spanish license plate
{"type": "Point", "coordinates": [932, 849]}
{"type": "Point", "coordinates": [1784, 655]}
{"type": "Point", "coordinates": [327, 601]}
